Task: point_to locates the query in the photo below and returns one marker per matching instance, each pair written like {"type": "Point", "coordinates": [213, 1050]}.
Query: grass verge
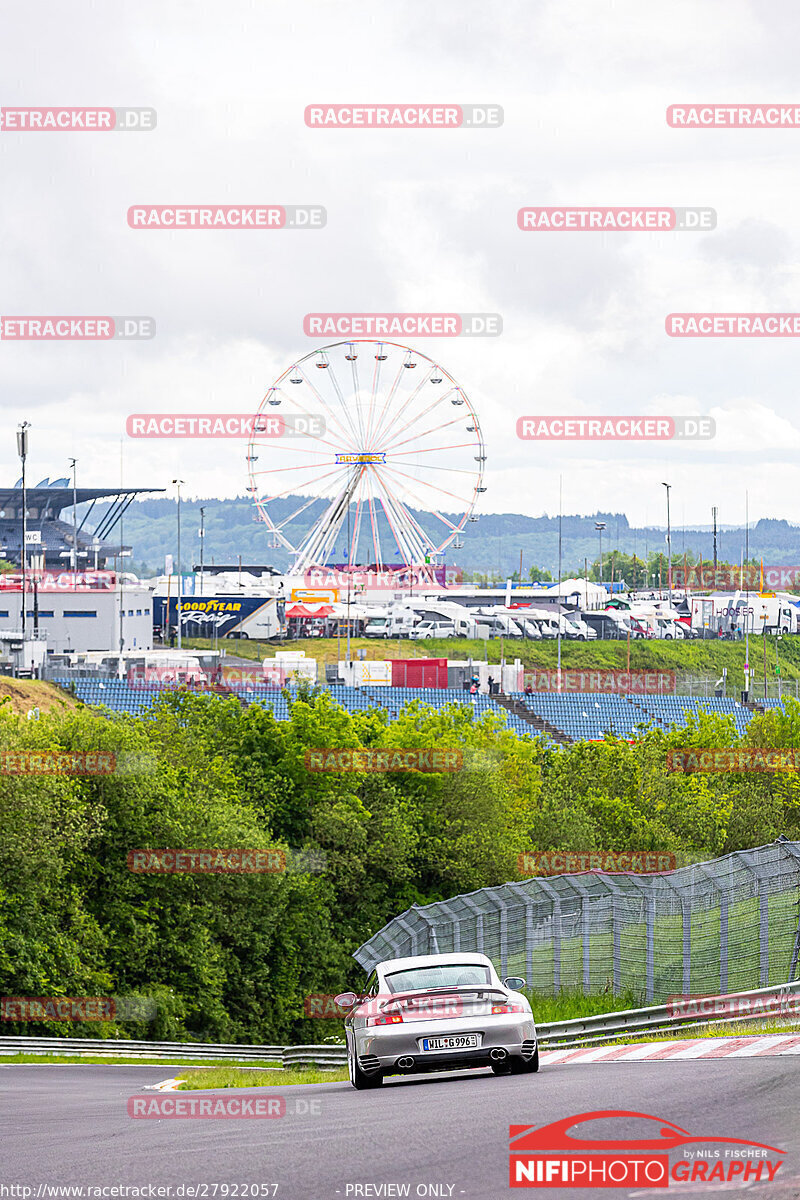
{"type": "Point", "coordinates": [697, 658]}
{"type": "Point", "coordinates": [231, 1077]}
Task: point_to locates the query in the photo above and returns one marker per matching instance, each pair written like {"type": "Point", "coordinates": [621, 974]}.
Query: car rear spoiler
{"type": "Point", "coordinates": [484, 990]}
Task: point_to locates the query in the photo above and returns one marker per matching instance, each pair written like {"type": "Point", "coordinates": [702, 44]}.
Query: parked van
{"type": "Point", "coordinates": [605, 626]}
{"type": "Point", "coordinates": [575, 628]}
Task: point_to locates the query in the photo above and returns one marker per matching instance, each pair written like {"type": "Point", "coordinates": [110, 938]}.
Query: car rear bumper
{"type": "Point", "coordinates": [400, 1050]}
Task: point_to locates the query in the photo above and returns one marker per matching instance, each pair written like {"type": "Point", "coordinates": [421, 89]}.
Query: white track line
{"type": "Point", "coordinates": [757, 1046]}
{"type": "Point", "coordinates": [767, 1043]}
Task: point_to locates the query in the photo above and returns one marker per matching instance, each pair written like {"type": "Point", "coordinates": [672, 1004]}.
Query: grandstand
{"type": "Point", "coordinates": [45, 504]}
{"type": "Point", "coordinates": [121, 696]}
{"type": "Point", "coordinates": [590, 715]}
{"type": "Point", "coordinates": [578, 716]}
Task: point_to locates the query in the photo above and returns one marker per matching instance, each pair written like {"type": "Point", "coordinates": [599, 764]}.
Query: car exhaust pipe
{"type": "Point", "coordinates": [498, 1055]}
{"type": "Point", "coordinates": [406, 1063]}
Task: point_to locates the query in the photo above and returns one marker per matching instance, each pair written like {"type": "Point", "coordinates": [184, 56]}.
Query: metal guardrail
{"type": "Point", "coordinates": [594, 1030]}
{"type": "Point", "coordinates": [120, 1048]}
{"type": "Point", "coordinates": [657, 1019]}
{"type": "Point", "coordinates": [319, 1056]}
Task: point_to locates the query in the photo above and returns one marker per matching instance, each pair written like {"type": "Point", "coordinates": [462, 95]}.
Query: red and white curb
{"type": "Point", "coordinates": [728, 1047]}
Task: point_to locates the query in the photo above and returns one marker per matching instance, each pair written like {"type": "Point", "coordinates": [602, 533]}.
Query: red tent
{"type": "Point", "coordinates": [306, 611]}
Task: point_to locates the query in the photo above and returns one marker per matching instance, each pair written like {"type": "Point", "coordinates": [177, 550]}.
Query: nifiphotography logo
{"type": "Point", "coordinates": [555, 1156]}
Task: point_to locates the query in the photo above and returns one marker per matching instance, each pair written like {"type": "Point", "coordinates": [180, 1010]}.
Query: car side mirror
{"type": "Point", "coordinates": [346, 999]}
{"type": "Point", "coordinates": [515, 983]}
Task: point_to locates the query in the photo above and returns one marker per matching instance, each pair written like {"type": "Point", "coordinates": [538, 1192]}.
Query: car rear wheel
{"type": "Point", "coordinates": [359, 1079]}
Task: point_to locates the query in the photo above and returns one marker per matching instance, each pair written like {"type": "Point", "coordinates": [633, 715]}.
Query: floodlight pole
{"type": "Point", "coordinates": [669, 546]}
{"type": "Point", "coordinates": [600, 526]}
{"type": "Point", "coordinates": [74, 556]}
{"type": "Point", "coordinates": [180, 577]}
{"type": "Point", "coordinates": [202, 544]}
{"type": "Point", "coordinates": [560, 617]}
{"type": "Point", "coordinates": [22, 451]}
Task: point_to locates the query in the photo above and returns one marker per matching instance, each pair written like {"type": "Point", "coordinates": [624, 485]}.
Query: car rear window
{"type": "Point", "coordinates": [447, 975]}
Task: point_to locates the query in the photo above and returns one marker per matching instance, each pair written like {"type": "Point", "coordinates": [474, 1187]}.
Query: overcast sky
{"type": "Point", "coordinates": [417, 221]}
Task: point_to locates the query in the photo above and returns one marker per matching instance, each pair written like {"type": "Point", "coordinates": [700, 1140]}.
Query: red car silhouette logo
{"type": "Point", "coordinates": [556, 1137]}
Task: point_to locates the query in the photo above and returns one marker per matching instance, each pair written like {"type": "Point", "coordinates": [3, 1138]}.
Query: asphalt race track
{"type": "Point", "coordinates": [69, 1125]}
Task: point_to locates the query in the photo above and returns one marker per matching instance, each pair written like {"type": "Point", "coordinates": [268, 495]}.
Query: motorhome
{"type": "Point", "coordinates": [498, 622]}
{"type": "Point", "coordinates": [390, 623]}
{"type": "Point", "coordinates": [605, 625]}
{"type": "Point", "coordinates": [464, 621]}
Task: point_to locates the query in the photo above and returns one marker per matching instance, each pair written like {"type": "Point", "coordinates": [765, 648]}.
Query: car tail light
{"type": "Point", "coordinates": [507, 1008]}
{"type": "Point", "coordinates": [386, 1019]}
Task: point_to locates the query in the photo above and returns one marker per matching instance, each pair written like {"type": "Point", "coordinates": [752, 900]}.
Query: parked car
{"type": "Point", "coordinates": [432, 629]}
{"type": "Point", "coordinates": [437, 1012]}
{"type": "Point", "coordinates": [669, 629]}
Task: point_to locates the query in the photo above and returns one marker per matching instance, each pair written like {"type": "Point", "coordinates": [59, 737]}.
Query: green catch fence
{"type": "Point", "coordinates": [730, 924]}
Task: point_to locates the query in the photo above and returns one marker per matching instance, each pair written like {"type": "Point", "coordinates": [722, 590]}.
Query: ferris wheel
{"type": "Point", "coordinates": [391, 470]}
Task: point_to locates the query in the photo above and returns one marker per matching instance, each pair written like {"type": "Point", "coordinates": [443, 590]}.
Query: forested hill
{"type": "Point", "coordinates": [492, 544]}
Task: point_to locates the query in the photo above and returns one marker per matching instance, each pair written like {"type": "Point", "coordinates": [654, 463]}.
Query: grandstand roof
{"type": "Point", "coordinates": [57, 498]}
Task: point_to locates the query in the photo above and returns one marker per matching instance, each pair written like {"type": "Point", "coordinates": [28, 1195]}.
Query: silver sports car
{"type": "Point", "coordinates": [437, 1012]}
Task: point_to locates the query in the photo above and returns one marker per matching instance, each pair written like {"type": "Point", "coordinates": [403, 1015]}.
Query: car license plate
{"type": "Point", "coordinates": [463, 1041]}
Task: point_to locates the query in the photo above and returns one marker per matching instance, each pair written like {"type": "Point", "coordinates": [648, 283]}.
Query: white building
{"type": "Point", "coordinates": [93, 618]}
